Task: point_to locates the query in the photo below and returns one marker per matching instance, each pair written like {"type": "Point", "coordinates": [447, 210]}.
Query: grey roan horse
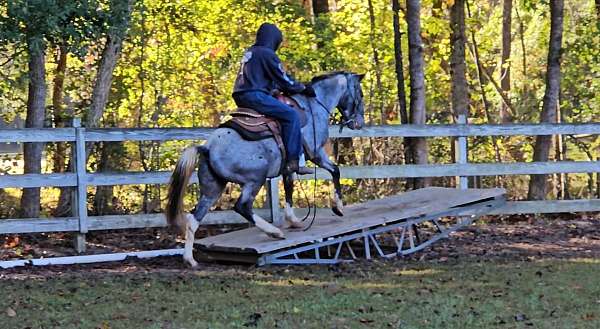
{"type": "Point", "coordinates": [227, 157]}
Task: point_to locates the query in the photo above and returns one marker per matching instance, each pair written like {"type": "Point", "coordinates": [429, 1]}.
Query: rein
{"type": "Point", "coordinates": [343, 122]}
{"type": "Point", "coordinates": [314, 207]}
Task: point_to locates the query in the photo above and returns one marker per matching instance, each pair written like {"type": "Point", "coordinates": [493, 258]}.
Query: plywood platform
{"type": "Point", "coordinates": [422, 203]}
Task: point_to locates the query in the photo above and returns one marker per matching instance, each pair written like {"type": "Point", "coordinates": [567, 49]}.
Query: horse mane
{"type": "Point", "coordinates": [328, 75]}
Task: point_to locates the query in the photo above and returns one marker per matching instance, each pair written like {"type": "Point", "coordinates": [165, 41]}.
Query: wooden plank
{"type": "Point", "coordinates": [455, 130]}
{"type": "Point", "coordinates": [158, 134]}
{"type": "Point", "coordinates": [371, 213]}
{"type": "Point", "coordinates": [381, 171]}
{"type": "Point", "coordinates": [462, 155]}
{"type": "Point", "coordinates": [38, 225]}
{"type": "Point", "coordinates": [38, 180]}
{"type": "Point", "coordinates": [146, 134]}
{"type": "Point", "coordinates": [455, 169]}
{"type": "Point", "coordinates": [70, 224]}
{"type": "Point", "coordinates": [547, 207]}
{"type": "Point", "coordinates": [37, 135]}
{"type": "Point", "coordinates": [80, 168]}
{"type": "Point", "coordinates": [451, 130]}
{"type": "Point", "coordinates": [210, 256]}
{"type": "Point", "coordinates": [126, 178]}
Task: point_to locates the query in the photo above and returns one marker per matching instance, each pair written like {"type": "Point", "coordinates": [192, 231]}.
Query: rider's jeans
{"type": "Point", "coordinates": [287, 117]}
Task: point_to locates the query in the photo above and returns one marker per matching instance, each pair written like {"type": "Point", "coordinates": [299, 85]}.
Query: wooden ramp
{"type": "Point", "coordinates": [395, 225]}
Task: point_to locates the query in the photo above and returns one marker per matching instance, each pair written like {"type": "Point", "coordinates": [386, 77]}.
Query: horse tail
{"type": "Point", "coordinates": [178, 183]}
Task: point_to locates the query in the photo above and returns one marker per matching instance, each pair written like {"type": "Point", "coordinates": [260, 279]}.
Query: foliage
{"type": "Point", "coordinates": [180, 58]}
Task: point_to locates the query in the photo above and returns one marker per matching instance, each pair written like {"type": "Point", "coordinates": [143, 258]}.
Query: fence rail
{"type": "Point", "coordinates": [81, 179]}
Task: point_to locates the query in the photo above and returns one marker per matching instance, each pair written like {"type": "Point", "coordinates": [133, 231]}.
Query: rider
{"type": "Point", "coordinates": [260, 73]}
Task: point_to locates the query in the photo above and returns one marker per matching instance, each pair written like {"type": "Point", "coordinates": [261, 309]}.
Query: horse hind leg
{"type": "Point", "coordinates": [211, 188]}
{"type": "Point", "coordinates": [243, 206]}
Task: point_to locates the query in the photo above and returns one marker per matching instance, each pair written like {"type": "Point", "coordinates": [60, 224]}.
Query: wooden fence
{"type": "Point", "coordinates": [80, 179]}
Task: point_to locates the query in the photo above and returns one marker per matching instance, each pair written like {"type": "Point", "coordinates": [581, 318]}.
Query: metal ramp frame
{"type": "Point", "coordinates": [388, 227]}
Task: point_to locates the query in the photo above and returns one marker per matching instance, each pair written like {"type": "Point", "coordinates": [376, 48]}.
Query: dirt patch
{"type": "Point", "coordinates": [512, 238]}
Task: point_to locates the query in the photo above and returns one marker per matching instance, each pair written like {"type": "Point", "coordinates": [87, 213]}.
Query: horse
{"type": "Point", "coordinates": [227, 157]}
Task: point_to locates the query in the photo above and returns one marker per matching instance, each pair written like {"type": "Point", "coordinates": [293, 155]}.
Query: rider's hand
{"type": "Point", "coordinates": [309, 91]}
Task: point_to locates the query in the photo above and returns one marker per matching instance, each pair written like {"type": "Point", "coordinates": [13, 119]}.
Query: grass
{"type": "Point", "coordinates": [490, 294]}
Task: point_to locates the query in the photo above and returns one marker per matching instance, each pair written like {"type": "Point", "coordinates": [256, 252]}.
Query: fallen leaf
{"type": "Point", "coordinates": [10, 312]}
{"type": "Point", "coordinates": [253, 320]}
{"type": "Point", "coordinates": [520, 317]}
{"type": "Point", "coordinates": [589, 316]}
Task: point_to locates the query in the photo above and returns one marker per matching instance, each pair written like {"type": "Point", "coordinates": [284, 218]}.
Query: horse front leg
{"type": "Point", "coordinates": [322, 160]}
{"type": "Point", "coordinates": [289, 216]}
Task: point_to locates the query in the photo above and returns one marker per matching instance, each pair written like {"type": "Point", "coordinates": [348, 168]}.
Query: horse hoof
{"type": "Point", "coordinates": [192, 263]}
{"type": "Point", "coordinates": [294, 224]}
{"type": "Point", "coordinates": [276, 235]}
{"type": "Point", "coordinates": [337, 211]}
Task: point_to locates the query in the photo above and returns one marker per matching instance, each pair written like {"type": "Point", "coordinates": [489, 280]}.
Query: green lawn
{"type": "Point", "coordinates": [494, 294]}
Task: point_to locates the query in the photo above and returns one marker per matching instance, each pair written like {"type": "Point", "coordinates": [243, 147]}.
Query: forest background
{"type": "Point", "coordinates": [146, 63]}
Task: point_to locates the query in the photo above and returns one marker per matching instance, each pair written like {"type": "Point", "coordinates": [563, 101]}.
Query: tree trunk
{"type": "Point", "coordinates": [537, 184]}
{"type": "Point", "coordinates": [36, 103]}
{"type": "Point", "coordinates": [486, 107]}
{"type": "Point", "coordinates": [460, 92]}
{"type": "Point", "coordinates": [112, 50]}
{"type": "Point", "coordinates": [398, 66]}
{"type": "Point", "coordinates": [505, 116]}
{"type": "Point", "coordinates": [459, 88]}
{"type": "Point", "coordinates": [60, 150]}
{"type": "Point", "coordinates": [401, 92]}
{"type": "Point", "coordinates": [417, 83]}
{"type": "Point", "coordinates": [376, 63]}
{"type": "Point", "coordinates": [320, 7]}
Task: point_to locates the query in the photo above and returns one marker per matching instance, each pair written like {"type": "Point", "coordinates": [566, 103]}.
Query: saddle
{"type": "Point", "coordinates": [254, 126]}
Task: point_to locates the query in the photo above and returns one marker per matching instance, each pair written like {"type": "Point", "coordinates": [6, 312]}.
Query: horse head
{"type": "Point", "coordinates": [344, 89]}
{"type": "Point", "coordinates": [351, 103]}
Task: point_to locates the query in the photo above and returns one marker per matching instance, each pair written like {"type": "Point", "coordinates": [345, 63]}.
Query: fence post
{"type": "Point", "coordinates": [598, 181]}
{"type": "Point", "coordinates": [461, 154]}
{"type": "Point", "coordinates": [273, 199]}
{"type": "Point", "coordinates": [79, 197]}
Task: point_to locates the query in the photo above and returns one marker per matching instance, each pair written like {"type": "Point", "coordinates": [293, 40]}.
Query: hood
{"type": "Point", "coordinates": [268, 35]}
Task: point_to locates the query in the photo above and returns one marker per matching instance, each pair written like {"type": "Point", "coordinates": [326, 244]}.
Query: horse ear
{"type": "Point", "coordinates": [360, 76]}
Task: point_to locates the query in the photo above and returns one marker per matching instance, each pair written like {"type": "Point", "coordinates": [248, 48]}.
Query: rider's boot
{"type": "Point", "coordinates": [292, 166]}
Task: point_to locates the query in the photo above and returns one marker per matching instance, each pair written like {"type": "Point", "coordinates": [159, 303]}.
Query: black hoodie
{"type": "Point", "coordinates": [261, 69]}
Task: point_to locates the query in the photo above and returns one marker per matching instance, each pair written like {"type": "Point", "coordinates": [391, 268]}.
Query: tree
{"type": "Point", "coordinates": [543, 143]}
{"type": "Point", "coordinates": [32, 25]}
{"type": "Point", "coordinates": [417, 83]}
{"type": "Point", "coordinates": [399, 70]}
{"type": "Point", "coordinates": [320, 7]}
{"type": "Point", "coordinates": [460, 92]}
{"type": "Point", "coordinates": [36, 110]}
{"type": "Point", "coordinates": [505, 64]}
{"type": "Point", "coordinates": [117, 23]}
